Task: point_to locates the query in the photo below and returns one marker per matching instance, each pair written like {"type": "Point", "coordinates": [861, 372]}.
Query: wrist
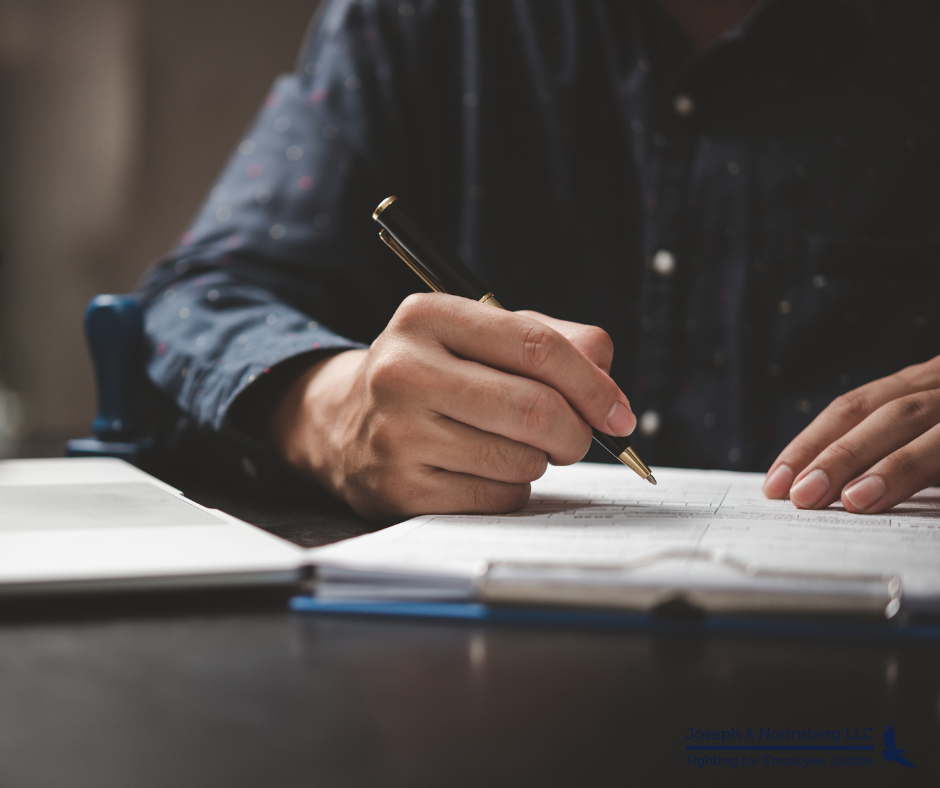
{"type": "Point", "coordinates": [309, 422]}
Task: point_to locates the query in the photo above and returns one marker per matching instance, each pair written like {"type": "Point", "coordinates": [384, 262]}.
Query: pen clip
{"type": "Point", "coordinates": [413, 264]}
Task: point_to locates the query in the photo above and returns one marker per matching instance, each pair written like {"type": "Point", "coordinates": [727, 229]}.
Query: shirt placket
{"type": "Point", "coordinates": [669, 149]}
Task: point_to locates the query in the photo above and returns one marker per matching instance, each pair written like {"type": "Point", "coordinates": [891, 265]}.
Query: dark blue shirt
{"type": "Point", "coordinates": [757, 227]}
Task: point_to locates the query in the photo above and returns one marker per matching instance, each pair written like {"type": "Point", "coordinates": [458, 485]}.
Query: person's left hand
{"type": "Point", "coordinates": [874, 446]}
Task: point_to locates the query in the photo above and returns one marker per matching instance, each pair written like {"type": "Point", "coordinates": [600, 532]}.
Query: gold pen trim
{"type": "Point", "coordinates": [632, 460]}
{"type": "Point", "coordinates": [392, 244]}
{"type": "Point", "coordinates": [490, 299]}
{"type": "Point", "coordinates": [383, 205]}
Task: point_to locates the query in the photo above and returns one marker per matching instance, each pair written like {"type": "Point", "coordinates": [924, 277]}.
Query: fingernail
{"type": "Point", "coordinates": [866, 493]}
{"type": "Point", "coordinates": [810, 489]}
{"type": "Point", "coordinates": [777, 483]}
{"type": "Point", "coordinates": [620, 420]}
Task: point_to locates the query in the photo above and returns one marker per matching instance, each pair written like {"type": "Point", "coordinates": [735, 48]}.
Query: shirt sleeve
{"type": "Point", "coordinates": [283, 258]}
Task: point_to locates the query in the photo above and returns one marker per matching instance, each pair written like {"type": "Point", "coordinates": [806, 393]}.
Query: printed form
{"type": "Point", "coordinates": [594, 515]}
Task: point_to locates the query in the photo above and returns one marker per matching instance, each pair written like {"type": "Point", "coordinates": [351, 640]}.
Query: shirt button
{"type": "Point", "coordinates": [249, 468]}
{"type": "Point", "coordinates": [664, 263]}
{"type": "Point", "coordinates": [683, 105]}
{"type": "Point", "coordinates": [649, 423]}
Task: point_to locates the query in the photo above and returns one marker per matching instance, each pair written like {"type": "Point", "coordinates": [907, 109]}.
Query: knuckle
{"type": "Point", "coordinates": [389, 371]}
{"type": "Point", "coordinates": [537, 411]}
{"type": "Point", "coordinates": [383, 374]}
{"type": "Point", "coordinates": [913, 407]}
{"type": "Point", "coordinates": [586, 435]}
{"type": "Point", "coordinates": [477, 498]}
{"type": "Point", "coordinates": [493, 457]}
{"type": "Point", "coordinates": [852, 407]}
{"type": "Point", "coordinates": [472, 499]}
{"type": "Point", "coordinates": [575, 449]}
{"type": "Point", "coordinates": [904, 466]}
{"type": "Point", "coordinates": [414, 312]}
{"type": "Point", "coordinates": [512, 462]}
{"type": "Point", "coordinates": [538, 345]}
{"type": "Point", "coordinates": [601, 347]}
{"type": "Point", "coordinates": [908, 374]}
{"type": "Point", "coordinates": [380, 434]}
{"type": "Point", "coordinates": [529, 464]}
{"type": "Point", "coordinates": [842, 453]}
{"type": "Point", "coordinates": [515, 497]}
{"type": "Point", "coordinates": [921, 376]}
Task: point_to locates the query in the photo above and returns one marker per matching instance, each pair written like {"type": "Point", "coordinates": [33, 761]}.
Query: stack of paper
{"type": "Point", "coordinates": [596, 535]}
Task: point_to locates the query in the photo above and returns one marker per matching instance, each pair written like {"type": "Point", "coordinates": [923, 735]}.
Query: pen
{"type": "Point", "coordinates": [442, 271]}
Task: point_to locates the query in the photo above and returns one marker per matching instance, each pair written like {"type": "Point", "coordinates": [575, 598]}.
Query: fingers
{"type": "Point", "coordinates": [897, 477]}
{"type": "Point", "coordinates": [494, 402]}
{"type": "Point", "coordinates": [520, 409]}
{"type": "Point", "coordinates": [521, 346]}
{"type": "Point", "coordinates": [449, 445]}
{"type": "Point", "coordinates": [445, 492]}
{"type": "Point", "coordinates": [840, 417]}
{"type": "Point", "coordinates": [421, 465]}
{"type": "Point", "coordinates": [480, 454]}
{"type": "Point", "coordinates": [887, 430]}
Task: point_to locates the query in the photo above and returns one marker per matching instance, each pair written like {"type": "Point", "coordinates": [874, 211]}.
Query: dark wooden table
{"type": "Point", "coordinates": [231, 689]}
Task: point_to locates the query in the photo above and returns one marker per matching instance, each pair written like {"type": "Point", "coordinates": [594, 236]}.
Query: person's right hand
{"type": "Point", "coordinates": [456, 407]}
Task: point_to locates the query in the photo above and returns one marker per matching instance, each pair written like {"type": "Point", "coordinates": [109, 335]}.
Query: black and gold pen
{"type": "Point", "coordinates": [443, 272]}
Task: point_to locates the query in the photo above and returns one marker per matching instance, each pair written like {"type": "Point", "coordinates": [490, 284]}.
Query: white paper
{"type": "Point", "coordinates": [604, 515]}
{"type": "Point", "coordinates": [99, 522]}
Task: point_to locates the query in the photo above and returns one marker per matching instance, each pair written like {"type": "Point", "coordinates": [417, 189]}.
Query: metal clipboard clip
{"type": "Point", "coordinates": [717, 584]}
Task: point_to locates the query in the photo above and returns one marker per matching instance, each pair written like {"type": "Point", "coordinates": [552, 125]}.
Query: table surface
{"type": "Point", "coordinates": [231, 689]}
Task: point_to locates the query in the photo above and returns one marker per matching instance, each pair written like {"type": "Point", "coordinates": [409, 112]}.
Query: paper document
{"type": "Point", "coordinates": [100, 524]}
{"type": "Point", "coordinates": [696, 528]}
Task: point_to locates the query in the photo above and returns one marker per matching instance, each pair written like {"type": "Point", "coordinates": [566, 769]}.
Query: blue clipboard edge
{"type": "Point", "coordinates": [477, 613]}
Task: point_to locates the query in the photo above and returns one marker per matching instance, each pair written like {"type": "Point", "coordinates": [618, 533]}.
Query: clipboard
{"type": "Point", "coordinates": [705, 551]}
{"type": "Point", "coordinates": [748, 589]}
{"type": "Point", "coordinates": [765, 601]}
{"type": "Point", "coordinates": [572, 618]}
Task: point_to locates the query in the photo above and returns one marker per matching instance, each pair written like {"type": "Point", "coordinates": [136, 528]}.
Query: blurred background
{"type": "Point", "coordinates": [115, 116]}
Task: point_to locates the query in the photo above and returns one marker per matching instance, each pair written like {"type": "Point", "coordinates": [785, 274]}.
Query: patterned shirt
{"type": "Point", "coordinates": [756, 226]}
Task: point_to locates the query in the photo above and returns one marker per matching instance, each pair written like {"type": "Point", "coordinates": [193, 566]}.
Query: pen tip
{"type": "Point", "coordinates": [651, 479]}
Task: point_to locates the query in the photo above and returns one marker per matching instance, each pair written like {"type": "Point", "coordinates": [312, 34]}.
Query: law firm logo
{"type": "Point", "coordinates": [891, 752]}
{"type": "Point", "coordinates": [828, 747]}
